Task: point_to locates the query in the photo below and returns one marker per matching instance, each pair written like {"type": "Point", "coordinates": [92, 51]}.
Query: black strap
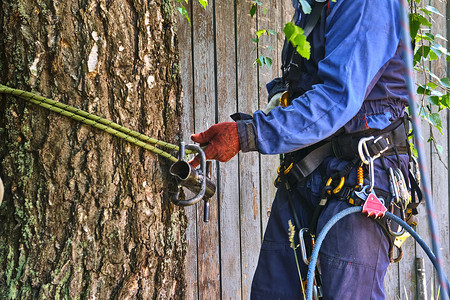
{"type": "Point", "coordinates": [310, 162]}
{"type": "Point", "coordinates": [314, 17]}
{"type": "Point", "coordinates": [346, 147]}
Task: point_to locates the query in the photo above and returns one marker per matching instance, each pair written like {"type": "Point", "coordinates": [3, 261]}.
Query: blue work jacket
{"type": "Point", "coordinates": [353, 81]}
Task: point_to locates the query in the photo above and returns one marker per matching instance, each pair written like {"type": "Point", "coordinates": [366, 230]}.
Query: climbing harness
{"type": "Point", "coordinates": [360, 152]}
{"type": "Point", "coordinates": [196, 180]}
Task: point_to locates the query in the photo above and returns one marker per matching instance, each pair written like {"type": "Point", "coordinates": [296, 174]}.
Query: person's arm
{"type": "Point", "coordinates": [361, 36]}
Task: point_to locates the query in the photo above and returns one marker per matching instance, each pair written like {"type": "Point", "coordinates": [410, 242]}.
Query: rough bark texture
{"type": "Point", "coordinates": [86, 215]}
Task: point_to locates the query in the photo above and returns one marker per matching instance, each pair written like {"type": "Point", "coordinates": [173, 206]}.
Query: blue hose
{"type": "Point", "coordinates": [334, 220]}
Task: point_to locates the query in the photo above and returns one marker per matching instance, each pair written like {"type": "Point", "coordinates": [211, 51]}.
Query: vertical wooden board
{"type": "Point", "coordinates": [229, 172]}
{"type": "Point", "coordinates": [184, 34]}
{"type": "Point", "coordinates": [423, 228]}
{"type": "Point", "coordinates": [439, 163]}
{"type": "Point", "coordinates": [406, 281]}
{"type": "Point", "coordinates": [204, 115]}
{"type": "Point", "coordinates": [391, 287]}
{"type": "Point", "coordinates": [268, 47]}
{"type": "Point", "coordinates": [439, 179]}
{"type": "Point", "coordinates": [248, 162]}
{"type": "Point", "coordinates": [407, 273]}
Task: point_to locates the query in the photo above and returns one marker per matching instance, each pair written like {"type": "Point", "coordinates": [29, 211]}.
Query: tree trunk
{"type": "Point", "coordinates": [86, 215]}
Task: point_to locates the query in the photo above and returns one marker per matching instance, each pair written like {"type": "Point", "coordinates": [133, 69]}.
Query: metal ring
{"type": "Point", "coordinates": [339, 186]}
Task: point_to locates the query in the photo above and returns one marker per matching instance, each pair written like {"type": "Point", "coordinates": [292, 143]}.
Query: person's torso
{"type": "Point", "coordinates": [386, 96]}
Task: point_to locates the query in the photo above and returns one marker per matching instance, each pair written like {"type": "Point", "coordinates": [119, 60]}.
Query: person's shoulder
{"type": "Point", "coordinates": [358, 4]}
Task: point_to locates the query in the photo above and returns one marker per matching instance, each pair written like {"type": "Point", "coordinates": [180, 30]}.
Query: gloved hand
{"type": "Point", "coordinates": [274, 102]}
{"type": "Point", "coordinates": [221, 141]}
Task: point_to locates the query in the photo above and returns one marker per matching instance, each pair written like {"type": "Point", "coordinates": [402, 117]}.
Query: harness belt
{"type": "Point", "coordinates": [346, 147]}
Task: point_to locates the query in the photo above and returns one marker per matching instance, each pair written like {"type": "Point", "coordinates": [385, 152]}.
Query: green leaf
{"type": "Point", "coordinates": [414, 26]}
{"type": "Point", "coordinates": [259, 33]}
{"type": "Point", "coordinates": [422, 51]}
{"type": "Point", "coordinates": [438, 36]}
{"type": "Point", "coordinates": [435, 119]}
{"type": "Point", "coordinates": [436, 49]}
{"type": "Point", "coordinates": [184, 13]}
{"type": "Point", "coordinates": [263, 60]}
{"type": "Point", "coordinates": [305, 6]}
{"type": "Point", "coordinates": [424, 114]}
{"type": "Point", "coordinates": [427, 12]}
{"type": "Point", "coordinates": [436, 93]}
{"type": "Point", "coordinates": [433, 56]}
{"type": "Point", "coordinates": [424, 21]}
{"type": "Point", "coordinates": [433, 10]}
{"type": "Point", "coordinates": [255, 40]}
{"type": "Point", "coordinates": [253, 10]}
{"type": "Point", "coordinates": [432, 85]}
{"type": "Point", "coordinates": [268, 61]}
{"type": "Point", "coordinates": [272, 32]}
{"type": "Point", "coordinates": [204, 3]}
{"type": "Point", "coordinates": [434, 100]}
{"type": "Point", "coordinates": [294, 34]}
{"type": "Point", "coordinates": [445, 82]}
{"type": "Point", "coordinates": [422, 90]}
{"type": "Point", "coordinates": [428, 36]}
{"type": "Point", "coordinates": [445, 101]}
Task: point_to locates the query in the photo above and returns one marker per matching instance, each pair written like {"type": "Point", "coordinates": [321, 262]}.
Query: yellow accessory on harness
{"type": "Point", "coordinates": [284, 100]}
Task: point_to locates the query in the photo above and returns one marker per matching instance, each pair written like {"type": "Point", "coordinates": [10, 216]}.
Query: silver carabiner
{"type": "Point", "coordinates": [394, 186]}
{"type": "Point", "coordinates": [301, 234]}
{"type": "Point", "coordinates": [362, 146]}
{"type": "Point", "coordinates": [363, 151]}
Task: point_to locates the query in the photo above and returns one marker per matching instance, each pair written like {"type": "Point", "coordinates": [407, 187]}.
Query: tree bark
{"type": "Point", "coordinates": [86, 215]}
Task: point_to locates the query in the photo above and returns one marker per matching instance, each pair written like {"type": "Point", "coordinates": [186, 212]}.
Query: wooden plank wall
{"type": "Point", "coordinates": [219, 78]}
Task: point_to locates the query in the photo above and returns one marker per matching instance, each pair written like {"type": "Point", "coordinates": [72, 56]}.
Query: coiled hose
{"type": "Point", "coordinates": [334, 220]}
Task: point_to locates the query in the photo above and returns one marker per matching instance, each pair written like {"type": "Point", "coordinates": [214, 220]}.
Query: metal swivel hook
{"type": "Point", "coordinates": [196, 180]}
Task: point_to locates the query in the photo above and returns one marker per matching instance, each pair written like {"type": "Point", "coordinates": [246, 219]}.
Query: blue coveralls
{"type": "Point", "coordinates": [353, 82]}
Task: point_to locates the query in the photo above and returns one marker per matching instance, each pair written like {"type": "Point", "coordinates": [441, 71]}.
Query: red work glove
{"type": "Point", "coordinates": [221, 141]}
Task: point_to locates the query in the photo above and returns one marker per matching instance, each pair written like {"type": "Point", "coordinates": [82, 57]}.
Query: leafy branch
{"type": "Point", "coordinates": [293, 33]}
{"type": "Point", "coordinates": [432, 89]}
{"type": "Point", "coordinates": [261, 60]}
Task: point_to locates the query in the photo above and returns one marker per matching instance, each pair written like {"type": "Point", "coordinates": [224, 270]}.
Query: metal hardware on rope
{"type": "Point", "coordinates": [195, 180]}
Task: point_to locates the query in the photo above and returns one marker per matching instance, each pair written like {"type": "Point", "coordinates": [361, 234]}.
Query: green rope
{"type": "Point", "coordinates": [108, 126]}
